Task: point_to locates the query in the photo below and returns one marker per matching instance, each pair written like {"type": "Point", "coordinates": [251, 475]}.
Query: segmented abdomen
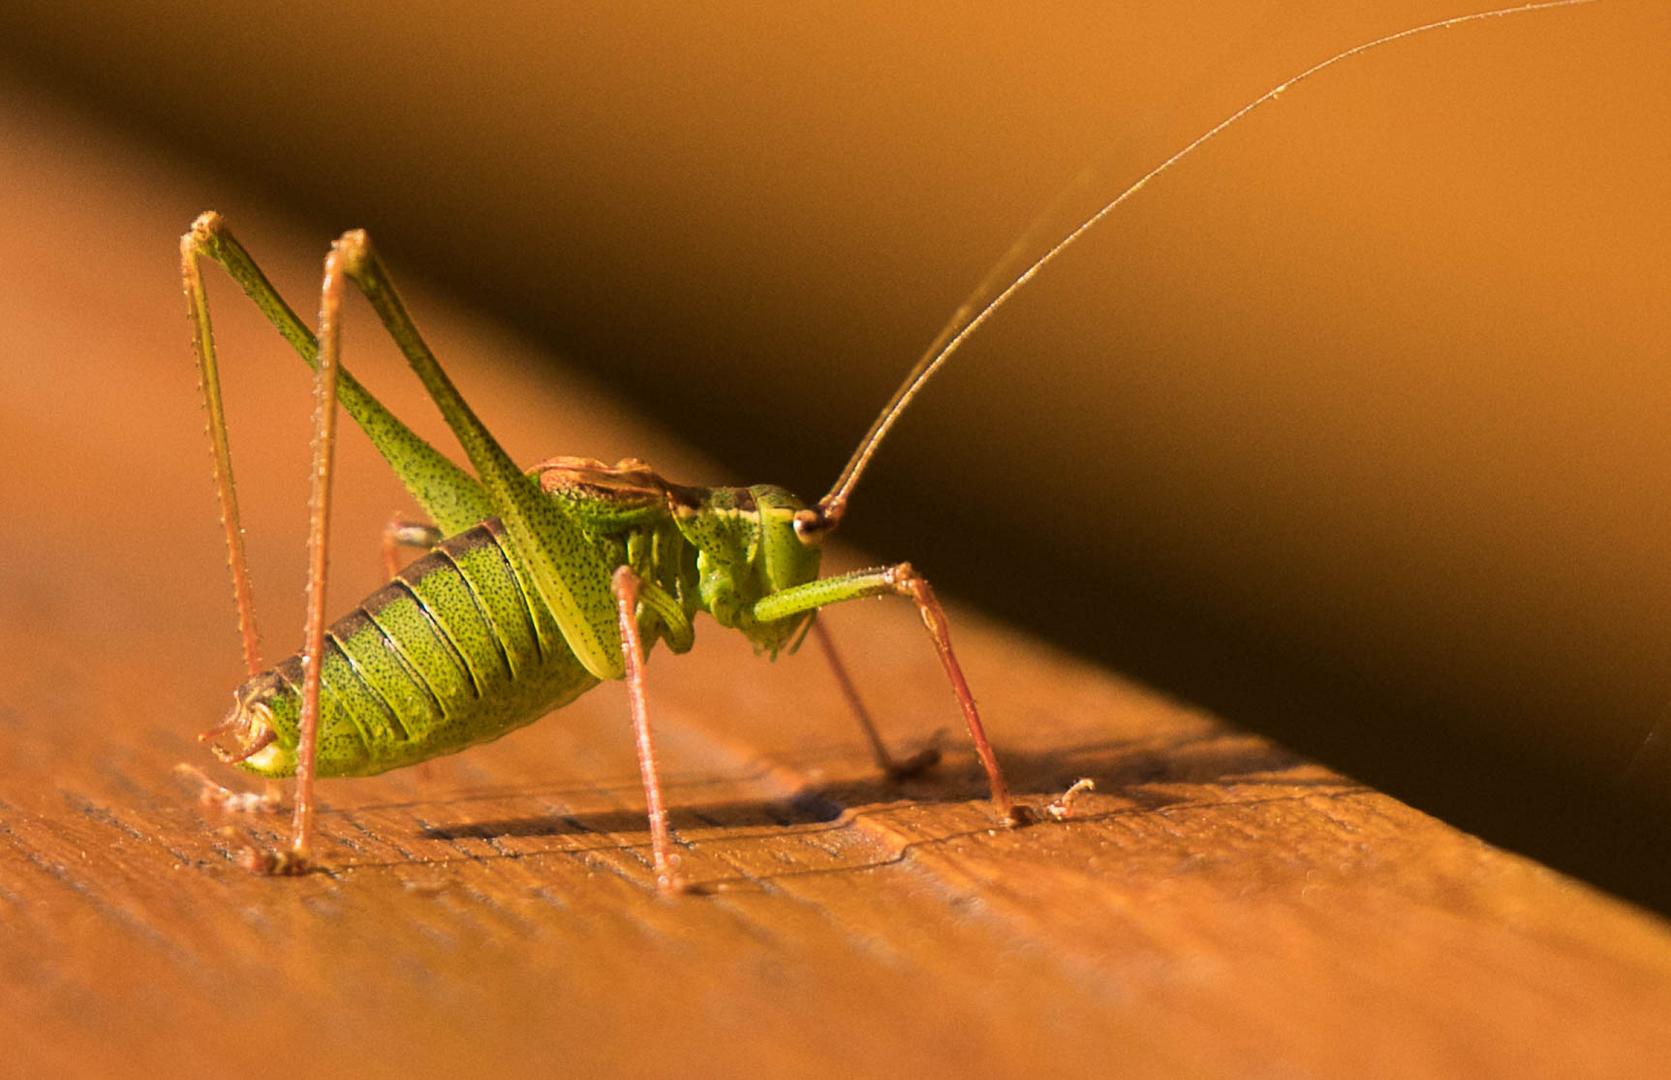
{"type": "Point", "coordinates": [453, 651]}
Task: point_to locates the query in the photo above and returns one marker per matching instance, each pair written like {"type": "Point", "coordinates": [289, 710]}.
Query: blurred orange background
{"type": "Point", "coordinates": [1353, 428]}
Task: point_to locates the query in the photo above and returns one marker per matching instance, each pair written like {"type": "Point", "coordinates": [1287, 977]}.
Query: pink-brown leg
{"type": "Point", "coordinates": [902, 579]}
{"type": "Point", "coordinates": [917, 763]}
{"type": "Point", "coordinates": [624, 584]}
{"type": "Point", "coordinates": [907, 582]}
{"type": "Point", "coordinates": [208, 367]}
{"type": "Point", "coordinates": [319, 528]}
{"type": "Point", "coordinates": [208, 374]}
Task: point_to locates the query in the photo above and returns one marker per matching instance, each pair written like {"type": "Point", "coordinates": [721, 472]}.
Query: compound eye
{"type": "Point", "coordinates": [810, 526]}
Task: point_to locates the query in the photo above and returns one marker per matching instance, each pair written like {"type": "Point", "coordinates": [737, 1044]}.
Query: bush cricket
{"type": "Point", "coordinates": [538, 584]}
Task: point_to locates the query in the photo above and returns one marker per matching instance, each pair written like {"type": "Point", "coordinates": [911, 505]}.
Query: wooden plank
{"type": "Point", "coordinates": [1216, 907]}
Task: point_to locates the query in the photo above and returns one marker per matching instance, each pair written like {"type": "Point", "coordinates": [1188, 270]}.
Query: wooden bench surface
{"type": "Point", "coordinates": [1216, 907]}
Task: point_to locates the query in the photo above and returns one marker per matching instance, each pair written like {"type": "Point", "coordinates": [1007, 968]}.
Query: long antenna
{"type": "Point", "coordinates": [812, 523]}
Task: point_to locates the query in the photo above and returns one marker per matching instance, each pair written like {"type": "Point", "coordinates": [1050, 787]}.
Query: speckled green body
{"type": "Point", "coordinates": [444, 656]}
{"type": "Point", "coordinates": [458, 650]}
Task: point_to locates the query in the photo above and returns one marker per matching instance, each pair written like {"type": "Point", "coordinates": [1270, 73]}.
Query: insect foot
{"type": "Point", "coordinates": [273, 863]}
{"type": "Point", "coordinates": [1020, 815]}
{"type": "Point", "coordinates": [918, 763]}
{"type": "Point", "coordinates": [672, 883]}
{"type": "Point", "coordinates": [257, 860]}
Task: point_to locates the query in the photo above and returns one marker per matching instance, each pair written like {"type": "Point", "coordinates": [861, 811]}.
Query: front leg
{"type": "Point", "coordinates": [903, 580]}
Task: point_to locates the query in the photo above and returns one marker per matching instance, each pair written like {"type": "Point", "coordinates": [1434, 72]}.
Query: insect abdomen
{"type": "Point", "coordinates": [444, 656]}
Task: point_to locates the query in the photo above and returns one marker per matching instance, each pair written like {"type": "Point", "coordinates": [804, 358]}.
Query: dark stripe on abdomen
{"type": "Point", "coordinates": [518, 621]}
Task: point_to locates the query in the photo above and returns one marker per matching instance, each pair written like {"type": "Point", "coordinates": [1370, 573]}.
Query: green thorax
{"type": "Point", "coordinates": [717, 550]}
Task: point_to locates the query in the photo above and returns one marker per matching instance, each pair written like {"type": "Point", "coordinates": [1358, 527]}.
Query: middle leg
{"type": "Point", "coordinates": [625, 585]}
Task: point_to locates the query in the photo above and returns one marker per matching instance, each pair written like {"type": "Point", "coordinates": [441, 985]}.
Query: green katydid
{"type": "Point", "coordinates": [539, 584]}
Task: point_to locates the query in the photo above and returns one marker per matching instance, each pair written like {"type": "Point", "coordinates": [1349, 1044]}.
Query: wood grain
{"type": "Point", "coordinates": [1216, 907]}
